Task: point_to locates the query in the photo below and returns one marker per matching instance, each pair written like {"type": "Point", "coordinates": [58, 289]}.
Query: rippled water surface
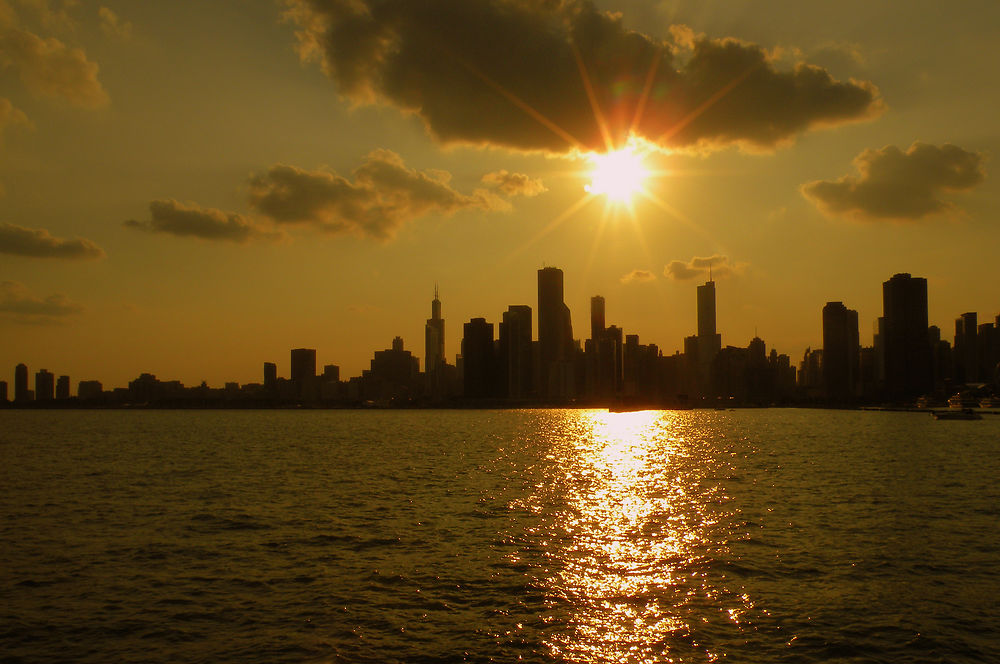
{"type": "Point", "coordinates": [544, 536]}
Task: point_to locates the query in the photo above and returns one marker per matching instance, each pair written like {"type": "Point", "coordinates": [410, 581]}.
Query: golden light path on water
{"type": "Point", "coordinates": [632, 549]}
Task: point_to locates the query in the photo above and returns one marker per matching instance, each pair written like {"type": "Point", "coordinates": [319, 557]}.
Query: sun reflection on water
{"type": "Point", "coordinates": [628, 561]}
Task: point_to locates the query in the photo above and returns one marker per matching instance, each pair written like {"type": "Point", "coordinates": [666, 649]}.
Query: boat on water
{"type": "Point", "coordinates": [964, 414]}
{"type": "Point", "coordinates": [990, 402]}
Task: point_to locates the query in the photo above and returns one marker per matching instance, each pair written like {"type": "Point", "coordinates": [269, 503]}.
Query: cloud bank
{"type": "Point", "coordinates": [384, 195]}
{"type": "Point", "coordinates": [11, 116]}
{"type": "Point", "coordinates": [702, 267]}
{"type": "Point", "coordinates": [548, 75]}
{"type": "Point", "coordinates": [191, 220]}
{"type": "Point", "coordinates": [39, 243]}
{"type": "Point", "coordinates": [896, 185]}
{"type": "Point", "coordinates": [18, 302]}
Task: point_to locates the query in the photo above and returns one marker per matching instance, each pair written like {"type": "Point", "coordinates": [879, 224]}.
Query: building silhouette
{"type": "Point", "coordinates": [703, 348]}
{"type": "Point", "coordinates": [906, 342]}
{"type": "Point", "coordinates": [479, 375]}
{"type": "Point", "coordinates": [21, 393]}
{"type": "Point", "coordinates": [966, 351]}
{"type": "Point", "coordinates": [393, 376]}
{"type": "Point", "coordinates": [3, 391]}
{"type": "Point", "coordinates": [841, 353]}
{"type": "Point", "coordinates": [515, 358]}
{"type": "Point", "coordinates": [62, 388]}
{"type": "Point", "coordinates": [44, 386]}
{"type": "Point", "coordinates": [555, 337]}
{"type": "Point", "coordinates": [303, 372]}
{"type": "Point", "coordinates": [434, 352]}
{"type": "Point", "coordinates": [270, 376]}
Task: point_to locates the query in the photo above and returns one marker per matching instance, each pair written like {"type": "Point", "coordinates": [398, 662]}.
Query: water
{"type": "Point", "coordinates": [544, 536]}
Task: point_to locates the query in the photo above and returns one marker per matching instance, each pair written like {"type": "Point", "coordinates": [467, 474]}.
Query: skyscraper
{"type": "Point", "coordinates": [478, 359]}
{"type": "Point", "coordinates": [555, 336]}
{"type": "Point", "coordinates": [514, 362]}
{"type": "Point", "coordinates": [966, 348]}
{"type": "Point", "coordinates": [45, 383]}
{"type": "Point", "coordinates": [841, 352]}
{"type": "Point", "coordinates": [906, 343]}
{"type": "Point", "coordinates": [270, 376]}
{"type": "Point", "coordinates": [597, 323]}
{"type": "Point", "coordinates": [434, 355]}
{"type": "Point", "coordinates": [303, 371]}
{"type": "Point", "coordinates": [62, 387]}
{"type": "Point", "coordinates": [21, 383]}
{"type": "Point", "coordinates": [709, 342]}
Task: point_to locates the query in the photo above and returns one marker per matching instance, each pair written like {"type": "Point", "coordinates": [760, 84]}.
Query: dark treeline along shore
{"type": "Point", "coordinates": [908, 364]}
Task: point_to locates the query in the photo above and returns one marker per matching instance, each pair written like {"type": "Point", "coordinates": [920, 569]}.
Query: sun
{"type": "Point", "coordinates": [618, 174]}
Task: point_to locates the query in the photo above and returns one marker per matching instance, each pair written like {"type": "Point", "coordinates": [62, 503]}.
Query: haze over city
{"type": "Point", "coordinates": [190, 189]}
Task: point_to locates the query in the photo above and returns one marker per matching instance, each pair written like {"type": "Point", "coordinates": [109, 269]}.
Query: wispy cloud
{"type": "Point", "coordinates": [384, 195]}
{"type": "Point", "coordinates": [21, 305]}
{"type": "Point", "coordinates": [192, 220]}
{"type": "Point", "coordinates": [638, 277]}
{"type": "Point", "coordinates": [716, 266]}
{"type": "Point", "coordinates": [39, 243]}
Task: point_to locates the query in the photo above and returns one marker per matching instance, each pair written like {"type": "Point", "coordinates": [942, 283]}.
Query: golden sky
{"type": "Point", "coordinates": [192, 189]}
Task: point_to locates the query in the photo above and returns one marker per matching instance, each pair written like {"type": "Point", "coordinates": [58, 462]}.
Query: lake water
{"type": "Point", "coordinates": [498, 536]}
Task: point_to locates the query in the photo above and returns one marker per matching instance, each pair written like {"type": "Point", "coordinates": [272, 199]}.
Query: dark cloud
{"type": "Point", "coordinates": [714, 266]}
{"type": "Point", "coordinates": [191, 220]}
{"type": "Point", "coordinates": [638, 277]}
{"type": "Point", "coordinates": [514, 184]}
{"type": "Point", "coordinates": [508, 73]}
{"type": "Point", "coordinates": [893, 184]}
{"type": "Point", "coordinates": [18, 302]}
{"type": "Point", "coordinates": [39, 243]}
{"type": "Point", "coordinates": [384, 195]}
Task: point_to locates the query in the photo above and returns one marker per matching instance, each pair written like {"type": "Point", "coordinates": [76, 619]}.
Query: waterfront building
{"type": "Point", "coordinates": [44, 386]}
{"type": "Point", "coordinates": [841, 353]}
{"type": "Point", "coordinates": [555, 337]}
{"type": "Point", "coordinates": [478, 359]}
{"type": "Point", "coordinates": [21, 392]}
{"type": "Point", "coordinates": [62, 387]}
{"type": "Point", "coordinates": [515, 367]}
{"type": "Point", "coordinates": [303, 372]}
{"type": "Point", "coordinates": [906, 343]}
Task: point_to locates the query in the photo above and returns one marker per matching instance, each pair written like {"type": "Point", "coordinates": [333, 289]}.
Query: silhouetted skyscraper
{"type": "Point", "coordinates": [555, 335]}
{"type": "Point", "coordinates": [906, 344]}
{"type": "Point", "coordinates": [434, 355]}
{"type": "Point", "coordinates": [709, 342]}
{"type": "Point", "coordinates": [841, 352]}
{"type": "Point", "coordinates": [270, 376]}
{"type": "Point", "coordinates": [3, 391]}
{"type": "Point", "coordinates": [514, 361]}
{"type": "Point", "coordinates": [44, 386]}
{"type": "Point", "coordinates": [597, 323]}
{"type": "Point", "coordinates": [966, 348]}
{"type": "Point", "coordinates": [21, 383]}
{"type": "Point", "coordinates": [62, 387]}
{"type": "Point", "coordinates": [303, 371]}
{"type": "Point", "coordinates": [478, 359]}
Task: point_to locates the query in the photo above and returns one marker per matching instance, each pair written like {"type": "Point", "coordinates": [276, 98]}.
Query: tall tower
{"type": "Point", "coordinates": [841, 352]}
{"type": "Point", "coordinates": [597, 323]}
{"type": "Point", "coordinates": [906, 343]}
{"type": "Point", "coordinates": [21, 383]}
{"type": "Point", "coordinates": [709, 342]}
{"type": "Point", "coordinates": [706, 309]}
{"type": "Point", "coordinates": [434, 355]}
{"type": "Point", "coordinates": [555, 335]}
{"type": "Point", "coordinates": [303, 371]}
{"type": "Point", "coordinates": [515, 357]}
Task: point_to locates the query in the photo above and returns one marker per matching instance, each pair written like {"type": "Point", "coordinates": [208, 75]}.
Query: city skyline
{"type": "Point", "coordinates": [190, 188]}
{"type": "Point", "coordinates": [547, 363]}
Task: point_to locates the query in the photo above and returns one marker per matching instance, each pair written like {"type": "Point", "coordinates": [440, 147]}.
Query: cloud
{"type": "Point", "coordinates": [638, 277]}
{"type": "Point", "coordinates": [50, 68]}
{"type": "Point", "coordinates": [384, 195]}
{"type": "Point", "coordinates": [192, 220]}
{"type": "Point", "coordinates": [714, 266]}
{"type": "Point", "coordinates": [39, 243]}
{"type": "Point", "coordinates": [898, 185]}
{"type": "Point", "coordinates": [514, 184]}
{"type": "Point", "coordinates": [19, 303]}
{"type": "Point", "coordinates": [113, 26]}
{"type": "Point", "coordinates": [510, 73]}
{"type": "Point", "coordinates": [11, 116]}
{"type": "Point", "coordinates": [52, 18]}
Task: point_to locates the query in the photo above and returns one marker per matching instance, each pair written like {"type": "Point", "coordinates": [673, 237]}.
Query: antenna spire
{"type": "Point", "coordinates": [435, 290]}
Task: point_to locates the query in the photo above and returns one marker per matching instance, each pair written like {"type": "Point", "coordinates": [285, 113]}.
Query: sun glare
{"type": "Point", "coordinates": [619, 174]}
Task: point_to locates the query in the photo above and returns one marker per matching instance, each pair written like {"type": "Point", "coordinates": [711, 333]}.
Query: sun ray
{"type": "Point", "coordinates": [602, 124]}
{"type": "Point", "coordinates": [552, 225]}
{"type": "Point", "coordinates": [704, 106]}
